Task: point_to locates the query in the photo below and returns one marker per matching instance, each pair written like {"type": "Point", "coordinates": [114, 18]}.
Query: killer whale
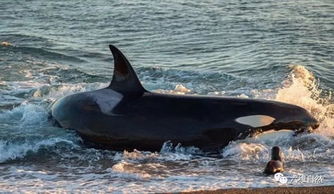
{"type": "Point", "coordinates": [125, 116]}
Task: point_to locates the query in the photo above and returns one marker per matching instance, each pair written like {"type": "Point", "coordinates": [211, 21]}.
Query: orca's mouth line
{"type": "Point", "coordinates": [296, 126]}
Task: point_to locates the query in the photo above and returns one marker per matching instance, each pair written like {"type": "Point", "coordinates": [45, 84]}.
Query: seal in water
{"type": "Point", "coordinates": [124, 115]}
{"type": "Point", "coordinates": [275, 165]}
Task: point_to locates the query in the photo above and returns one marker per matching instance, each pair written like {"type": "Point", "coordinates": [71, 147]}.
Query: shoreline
{"type": "Point", "coordinates": [276, 190]}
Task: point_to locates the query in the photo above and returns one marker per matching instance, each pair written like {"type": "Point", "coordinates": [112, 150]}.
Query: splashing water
{"type": "Point", "coordinates": [301, 89]}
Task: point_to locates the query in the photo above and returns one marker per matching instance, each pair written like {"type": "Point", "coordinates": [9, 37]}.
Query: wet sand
{"type": "Point", "coordinates": [276, 190]}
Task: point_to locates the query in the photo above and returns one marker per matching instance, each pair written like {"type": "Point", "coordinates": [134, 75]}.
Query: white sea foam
{"type": "Point", "coordinates": [301, 89]}
{"type": "Point", "coordinates": [11, 151]}
{"type": "Point", "coordinates": [179, 89]}
{"type": "Point", "coordinates": [26, 116]}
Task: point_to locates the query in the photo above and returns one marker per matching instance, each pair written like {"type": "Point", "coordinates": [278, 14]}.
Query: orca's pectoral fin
{"type": "Point", "coordinates": [124, 79]}
{"type": "Point", "coordinates": [303, 131]}
{"type": "Point", "coordinates": [251, 132]}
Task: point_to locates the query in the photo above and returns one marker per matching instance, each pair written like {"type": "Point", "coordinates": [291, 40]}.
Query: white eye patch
{"type": "Point", "coordinates": [255, 120]}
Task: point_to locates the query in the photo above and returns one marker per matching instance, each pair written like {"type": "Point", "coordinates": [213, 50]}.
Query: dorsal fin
{"type": "Point", "coordinates": [124, 79]}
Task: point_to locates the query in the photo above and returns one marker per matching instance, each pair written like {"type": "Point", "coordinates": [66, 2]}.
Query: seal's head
{"type": "Point", "coordinates": [276, 153]}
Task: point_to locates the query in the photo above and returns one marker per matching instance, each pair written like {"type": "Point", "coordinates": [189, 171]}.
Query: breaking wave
{"type": "Point", "coordinates": [300, 88]}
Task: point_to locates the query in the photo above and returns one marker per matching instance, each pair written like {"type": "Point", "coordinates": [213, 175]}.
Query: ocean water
{"type": "Point", "coordinates": [278, 50]}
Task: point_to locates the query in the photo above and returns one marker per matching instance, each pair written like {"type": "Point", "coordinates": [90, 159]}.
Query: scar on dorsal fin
{"type": "Point", "coordinates": [124, 79]}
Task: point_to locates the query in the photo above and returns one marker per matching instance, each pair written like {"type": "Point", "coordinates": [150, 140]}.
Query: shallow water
{"type": "Point", "coordinates": [279, 50]}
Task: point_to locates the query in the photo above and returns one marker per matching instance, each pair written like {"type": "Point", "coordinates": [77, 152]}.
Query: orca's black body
{"type": "Point", "coordinates": [126, 116]}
